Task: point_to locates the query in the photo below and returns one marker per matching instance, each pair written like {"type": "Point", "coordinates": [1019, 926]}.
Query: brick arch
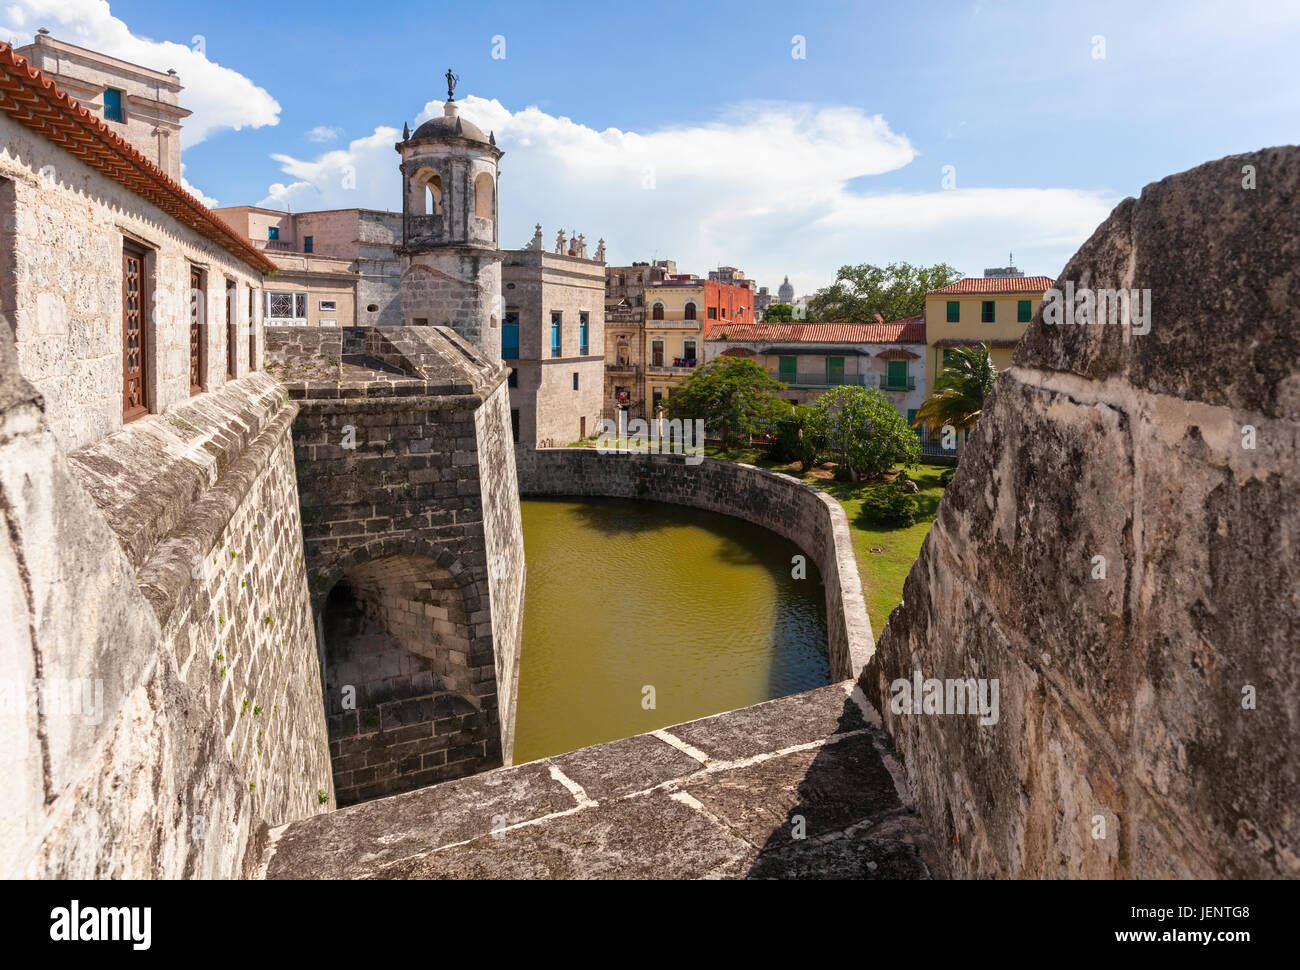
{"type": "Point", "coordinates": [324, 578]}
{"type": "Point", "coordinates": [403, 704]}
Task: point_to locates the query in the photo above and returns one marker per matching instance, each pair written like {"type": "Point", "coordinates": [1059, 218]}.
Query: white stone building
{"type": "Point", "coordinates": [811, 358]}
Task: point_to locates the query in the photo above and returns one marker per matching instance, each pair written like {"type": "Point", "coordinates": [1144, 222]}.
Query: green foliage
{"type": "Point", "coordinates": [798, 438]}
{"type": "Point", "coordinates": [733, 396]}
{"type": "Point", "coordinates": [322, 796]}
{"type": "Point", "coordinates": [778, 313]}
{"type": "Point", "coordinates": [945, 476]}
{"type": "Point", "coordinates": [894, 291]}
{"type": "Point", "coordinates": [959, 393]}
{"type": "Point", "coordinates": [861, 430]}
{"type": "Point", "coordinates": [889, 505]}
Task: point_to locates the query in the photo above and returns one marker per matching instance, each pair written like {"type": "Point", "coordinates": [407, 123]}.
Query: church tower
{"type": "Point", "coordinates": [451, 266]}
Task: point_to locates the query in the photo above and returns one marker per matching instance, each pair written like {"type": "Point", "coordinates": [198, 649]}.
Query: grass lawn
{"type": "Point", "coordinates": [883, 571]}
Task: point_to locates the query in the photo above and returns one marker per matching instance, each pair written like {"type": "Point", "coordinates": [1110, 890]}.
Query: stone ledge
{"type": "Point", "coordinates": [722, 804]}
{"type": "Point", "coordinates": [148, 477]}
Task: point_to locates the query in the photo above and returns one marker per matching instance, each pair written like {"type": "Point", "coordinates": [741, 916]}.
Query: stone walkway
{"type": "Point", "coordinates": [720, 798]}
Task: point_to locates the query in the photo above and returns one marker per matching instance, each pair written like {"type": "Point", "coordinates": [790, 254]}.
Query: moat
{"type": "Point", "coordinates": [623, 595]}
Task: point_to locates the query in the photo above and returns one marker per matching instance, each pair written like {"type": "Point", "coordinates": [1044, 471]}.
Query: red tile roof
{"type": "Point", "coordinates": [908, 331]}
{"type": "Point", "coordinates": [965, 342]}
{"type": "Point", "coordinates": [32, 99]}
{"type": "Point", "coordinates": [996, 284]}
{"type": "Point", "coordinates": [897, 353]}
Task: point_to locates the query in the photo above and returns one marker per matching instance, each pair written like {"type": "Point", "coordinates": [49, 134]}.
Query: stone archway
{"type": "Point", "coordinates": [399, 690]}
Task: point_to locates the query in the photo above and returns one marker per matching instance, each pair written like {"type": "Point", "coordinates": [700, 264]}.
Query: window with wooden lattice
{"type": "Point", "coordinates": [232, 333]}
{"type": "Point", "coordinates": [135, 335]}
{"type": "Point", "coordinates": [197, 310]}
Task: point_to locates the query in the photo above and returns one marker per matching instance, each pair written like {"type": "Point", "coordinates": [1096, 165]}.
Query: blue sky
{"type": "Point", "coordinates": [688, 130]}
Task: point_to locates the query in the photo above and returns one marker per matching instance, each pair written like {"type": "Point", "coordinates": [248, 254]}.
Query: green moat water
{"type": "Point", "coordinates": [623, 594]}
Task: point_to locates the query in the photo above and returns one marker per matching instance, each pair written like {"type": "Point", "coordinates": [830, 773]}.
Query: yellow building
{"type": "Point", "coordinates": [677, 310]}
{"type": "Point", "coordinates": [988, 310]}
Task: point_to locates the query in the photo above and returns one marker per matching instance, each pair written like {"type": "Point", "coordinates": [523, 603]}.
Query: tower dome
{"type": "Point", "coordinates": [451, 266]}
{"type": "Point", "coordinates": [785, 292]}
{"type": "Point", "coordinates": [450, 125]}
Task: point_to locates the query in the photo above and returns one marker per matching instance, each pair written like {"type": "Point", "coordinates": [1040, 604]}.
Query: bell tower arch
{"type": "Point", "coordinates": [451, 266]}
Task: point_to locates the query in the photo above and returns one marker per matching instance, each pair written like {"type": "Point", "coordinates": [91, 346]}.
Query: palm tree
{"type": "Point", "coordinates": [959, 392]}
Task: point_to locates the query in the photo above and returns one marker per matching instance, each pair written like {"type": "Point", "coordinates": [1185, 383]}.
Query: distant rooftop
{"type": "Point", "coordinates": [996, 284]}
{"type": "Point", "coordinates": [907, 331]}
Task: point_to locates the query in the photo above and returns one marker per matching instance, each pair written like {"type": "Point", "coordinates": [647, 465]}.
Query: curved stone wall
{"type": "Point", "coordinates": [805, 515]}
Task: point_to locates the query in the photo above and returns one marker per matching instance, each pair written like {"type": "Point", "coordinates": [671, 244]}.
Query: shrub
{"type": "Point", "coordinates": [886, 505]}
{"type": "Point", "coordinates": [945, 477]}
{"type": "Point", "coordinates": [797, 438]}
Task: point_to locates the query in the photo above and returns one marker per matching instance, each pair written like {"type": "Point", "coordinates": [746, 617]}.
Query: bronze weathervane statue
{"type": "Point", "coordinates": [451, 85]}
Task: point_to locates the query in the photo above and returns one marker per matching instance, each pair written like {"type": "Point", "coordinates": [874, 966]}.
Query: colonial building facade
{"type": "Point", "coordinates": [554, 337]}
{"type": "Point", "coordinates": [138, 104]}
{"type": "Point", "coordinates": [678, 309]}
{"type": "Point", "coordinates": [625, 332]}
{"type": "Point", "coordinates": [812, 358]}
{"type": "Point", "coordinates": [993, 310]}
{"type": "Point", "coordinates": [338, 267]}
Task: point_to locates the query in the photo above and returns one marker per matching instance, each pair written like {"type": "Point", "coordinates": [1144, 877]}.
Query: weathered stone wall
{"type": "Point", "coordinates": [461, 290]}
{"type": "Point", "coordinates": [805, 515]}
{"type": "Point", "coordinates": [204, 503]}
{"type": "Point", "coordinates": [62, 228]}
{"type": "Point", "coordinates": [402, 451]}
{"type": "Point", "coordinates": [1119, 550]}
{"type": "Point", "coordinates": [143, 760]}
{"type": "Point", "coordinates": [380, 233]}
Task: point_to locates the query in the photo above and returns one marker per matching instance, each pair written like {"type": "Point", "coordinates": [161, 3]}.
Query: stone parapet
{"type": "Point", "coordinates": [801, 787]}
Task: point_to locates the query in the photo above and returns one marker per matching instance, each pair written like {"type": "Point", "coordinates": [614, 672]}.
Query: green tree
{"type": "Point", "coordinates": [863, 432]}
{"type": "Point", "coordinates": [798, 437]}
{"type": "Point", "coordinates": [959, 392]}
{"type": "Point", "coordinates": [733, 395]}
{"type": "Point", "coordinates": [894, 291]}
{"type": "Point", "coordinates": [778, 313]}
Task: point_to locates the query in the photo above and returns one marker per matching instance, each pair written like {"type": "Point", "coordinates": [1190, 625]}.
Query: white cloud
{"type": "Point", "coordinates": [323, 133]}
{"type": "Point", "coordinates": [218, 96]}
{"type": "Point", "coordinates": [765, 187]}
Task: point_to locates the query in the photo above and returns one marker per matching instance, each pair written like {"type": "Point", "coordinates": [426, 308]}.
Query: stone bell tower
{"type": "Point", "coordinates": [451, 267]}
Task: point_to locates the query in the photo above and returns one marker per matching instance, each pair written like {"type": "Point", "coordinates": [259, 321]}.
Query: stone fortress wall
{"type": "Point", "coordinates": [162, 701]}
{"type": "Point", "coordinates": [1119, 550]}
{"type": "Point", "coordinates": [805, 515]}
{"type": "Point", "coordinates": [414, 548]}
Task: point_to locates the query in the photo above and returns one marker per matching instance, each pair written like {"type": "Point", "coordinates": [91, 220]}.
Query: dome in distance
{"type": "Point", "coordinates": [451, 125]}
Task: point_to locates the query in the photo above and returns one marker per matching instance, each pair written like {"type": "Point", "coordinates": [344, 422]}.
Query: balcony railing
{"type": "Point", "coordinates": [622, 367]}
{"type": "Point", "coordinates": [680, 365]}
{"type": "Point", "coordinates": [814, 379]}
{"type": "Point", "coordinates": [888, 383]}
